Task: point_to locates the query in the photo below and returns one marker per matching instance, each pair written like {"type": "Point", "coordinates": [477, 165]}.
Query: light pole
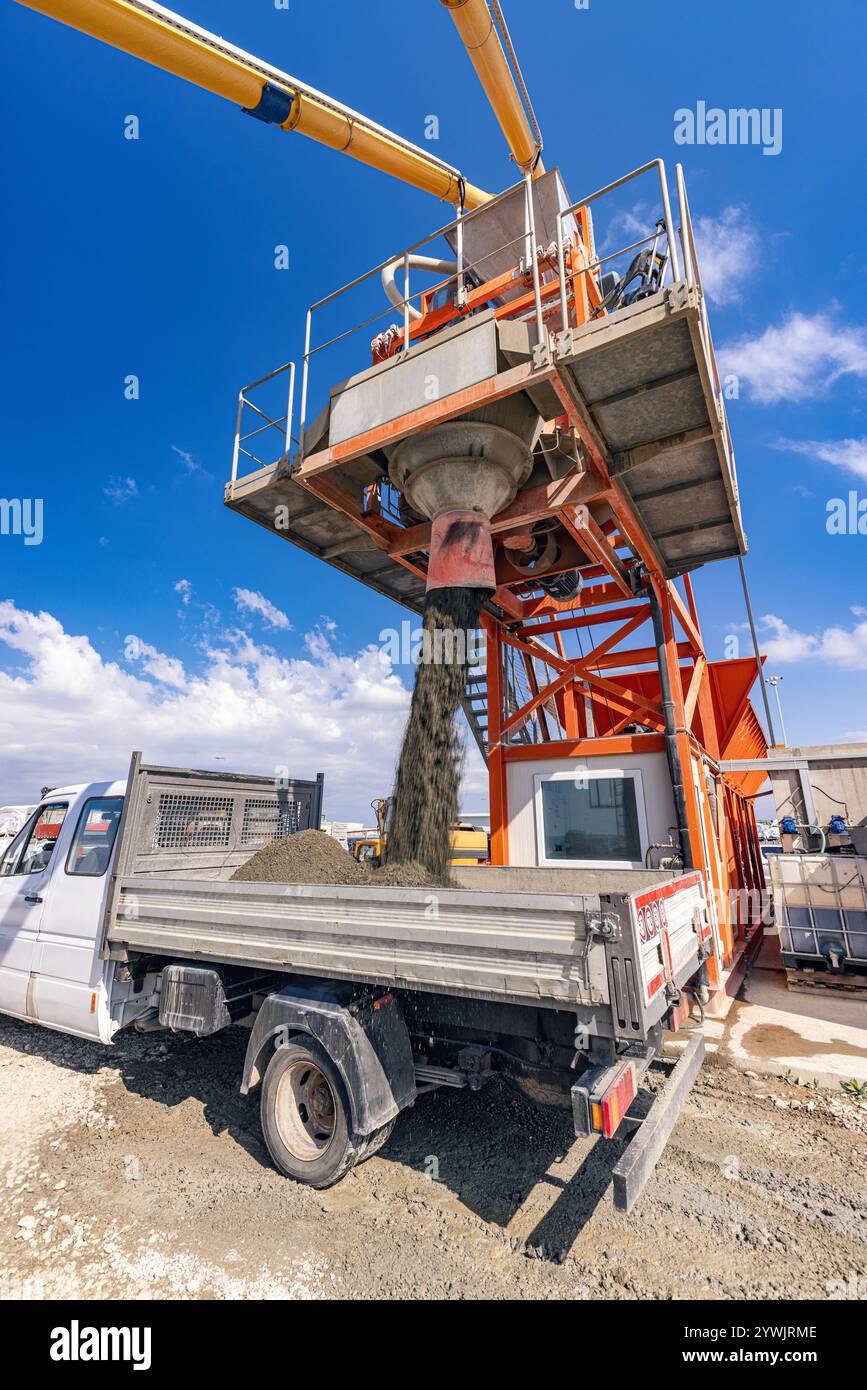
{"type": "Point", "coordinates": [775, 682]}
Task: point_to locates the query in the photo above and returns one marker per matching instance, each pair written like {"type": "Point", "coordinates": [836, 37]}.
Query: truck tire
{"type": "Point", "coordinates": [306, 1118]}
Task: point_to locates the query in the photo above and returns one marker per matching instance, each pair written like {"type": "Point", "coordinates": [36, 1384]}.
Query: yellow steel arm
{"type": "Point", "coordinates": [170, 42]}
{"type": "Point", "coordinates": [475, 24]}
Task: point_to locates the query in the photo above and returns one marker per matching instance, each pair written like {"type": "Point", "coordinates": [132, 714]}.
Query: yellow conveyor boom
{"type": "Point", "coordinates": [474, 21]}
{"type": "Point", "coordinates": [168, 41]}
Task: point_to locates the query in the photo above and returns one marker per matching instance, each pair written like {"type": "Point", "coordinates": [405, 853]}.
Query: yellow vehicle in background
{"type": "Point", "coordinates": [470, 843]}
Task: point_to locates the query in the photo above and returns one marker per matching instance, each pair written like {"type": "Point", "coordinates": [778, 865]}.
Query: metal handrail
{"type": "Point", "coordinates": [674, 262]}
{"type": "Point", "coordinates": [275, 423]}
{"type": "Point", "coordinates": [679, 240]}
{"type": "Point", "coordinates": [457, 225]}
{"type": "Point", "coordinates": [462, 268]}
{"type": "Point", "coordinates": [694, 280]}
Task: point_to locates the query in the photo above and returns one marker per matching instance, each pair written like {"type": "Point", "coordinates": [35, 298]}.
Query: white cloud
{"type": "Point", "coordinates": [249, 601]}
{"type": "Point", "coordinates": [850, 454]}
{"type": "Point", "coordinates": [190, 462]}
{"type": "Point", "coordinates": [185, 589]}
{"type": "Point", "coordinates": [728, 253]}
{"type": "Point", "coordinates": [839, 647]}
{"type": "Point", "coordinates": [166, 669]}
{"type": "Point", "coordinates": [631, 224]}
{"type": "Point", "coordinates": [120, 490]}
{"type": "Point", "coordinates": [69, 714]}
{"type": "Point", "coordinates": [798, 360]}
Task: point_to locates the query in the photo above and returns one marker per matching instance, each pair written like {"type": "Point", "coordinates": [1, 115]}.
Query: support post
{"type": "Point", "coordinates": [749, 605]}
{"type": "Point", "coordinates": [496, 758]}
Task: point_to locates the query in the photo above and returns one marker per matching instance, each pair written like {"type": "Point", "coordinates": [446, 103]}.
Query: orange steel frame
{"type": "Point", "coordinates": [583, 294]}
{"type": "Point", "coordinates": [713, 716]}
{"type": "Point", "coordinates": [592, 699]}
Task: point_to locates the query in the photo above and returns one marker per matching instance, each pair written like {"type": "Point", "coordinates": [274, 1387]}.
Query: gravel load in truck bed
{"type": "Point", "coordinates": [312, 856]}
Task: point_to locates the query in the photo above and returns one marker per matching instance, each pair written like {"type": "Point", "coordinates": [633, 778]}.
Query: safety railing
{"type": "Point", "coordinates": [525, 239]}
{"type": "Point", "coordinates": [549, 300]}
{"type": "Point", "coordinates": [693, 279]}
{"type": "Point", "coordinates": [678, 239]}
{"type": "Point", "coordinates": [597, 262]}
{"type": "Point", "coordinates": [263, 433]}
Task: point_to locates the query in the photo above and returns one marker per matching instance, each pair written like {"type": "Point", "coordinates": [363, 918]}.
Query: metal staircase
{"type": "Point", "coordinates": [474, 703]}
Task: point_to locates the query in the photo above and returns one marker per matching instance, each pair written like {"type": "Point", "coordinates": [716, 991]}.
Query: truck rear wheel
{"type": "Point", "coordinates": [306, 1117]}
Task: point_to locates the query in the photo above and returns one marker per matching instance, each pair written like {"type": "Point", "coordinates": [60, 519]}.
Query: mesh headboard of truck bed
{"type": "Point", "coordinates": [183, 823]}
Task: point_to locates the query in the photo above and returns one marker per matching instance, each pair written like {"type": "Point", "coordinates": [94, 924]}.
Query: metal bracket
{"type": "Point", "coordinates": [640, 1158]}
{"type": "Point", "coordinates": [274, 105]}
{"type": "Point", "coordinates": [563, 343]}
{"type": "Point", "coordinates": [599, 926]}
{"type": "Point", "coordinates": [475, 1063]}
{"type": "Point", "coordinates": [705, 944]}
{"type": "Point", "coordinates": [542, 356]}
{"type": "Point", "coordinates": [605, 925]}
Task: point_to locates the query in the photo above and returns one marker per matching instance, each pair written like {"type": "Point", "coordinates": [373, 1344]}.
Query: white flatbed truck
{"type": "Point", "coordinates": [117, 910]}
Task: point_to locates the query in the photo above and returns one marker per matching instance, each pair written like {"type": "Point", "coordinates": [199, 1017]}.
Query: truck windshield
{"type": "Point", "coordinates": [94, 836]}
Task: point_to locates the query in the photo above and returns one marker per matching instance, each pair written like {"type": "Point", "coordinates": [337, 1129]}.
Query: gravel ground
{"type": "Point", "coordinates": [139, 1171]}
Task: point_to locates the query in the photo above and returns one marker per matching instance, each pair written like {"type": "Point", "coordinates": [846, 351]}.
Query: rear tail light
{"type": "Point", "coordinates": [616, 1101]}
{"type": "Point", "coordinates": [601, 1098]}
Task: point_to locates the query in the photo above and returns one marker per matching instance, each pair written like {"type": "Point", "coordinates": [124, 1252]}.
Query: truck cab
{"type": "Point", "coordinates": [53, 884]}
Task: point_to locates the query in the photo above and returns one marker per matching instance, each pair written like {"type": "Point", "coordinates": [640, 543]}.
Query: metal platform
{"type": "Point", "coordinates": [315, 526]}
{"type": "Point", "coordinates": [639, 378]}
{"type": "Point", "coordinates": [646, 385]}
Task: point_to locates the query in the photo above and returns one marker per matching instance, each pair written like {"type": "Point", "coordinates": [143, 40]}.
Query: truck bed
{"type": "Point", "coordinates": [577, 939]}
{"type": "Point", "coordinates": [522, 946]}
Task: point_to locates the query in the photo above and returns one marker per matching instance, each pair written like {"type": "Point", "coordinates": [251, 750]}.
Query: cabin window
{"type": "Point", "coordinates": [591, 819]}
{"type": "Point", "coordinates": [94, 836]}
{"type": "Point", "coordinates": [32, 848]}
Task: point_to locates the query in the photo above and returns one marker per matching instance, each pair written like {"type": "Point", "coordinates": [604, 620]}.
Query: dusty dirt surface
{"type": "Point", "coordinates": [139, 1171]}
{"type": "Point", "coordinates": [312, 856]}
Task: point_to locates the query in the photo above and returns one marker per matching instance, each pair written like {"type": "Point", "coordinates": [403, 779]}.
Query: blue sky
{"type": "Point", "coordinates": [155, 257]}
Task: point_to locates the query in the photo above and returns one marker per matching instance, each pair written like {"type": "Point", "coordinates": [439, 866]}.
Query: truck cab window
{"type": "Point", "coordinates": [31, 850]}
{"type": "Point", "coordinates": [94, 836]}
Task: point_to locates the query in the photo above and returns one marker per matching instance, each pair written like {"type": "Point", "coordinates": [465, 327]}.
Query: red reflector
{"type": "Point", "coordinates": [617, 1100]}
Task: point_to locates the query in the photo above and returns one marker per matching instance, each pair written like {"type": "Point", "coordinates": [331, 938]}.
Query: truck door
{"type": "Point", "coordinates": [70, 993]}
{"type": "Point", "coordinates": [24, 872]}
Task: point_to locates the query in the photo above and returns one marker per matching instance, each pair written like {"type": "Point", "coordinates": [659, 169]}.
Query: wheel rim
{"type": "Point", "coordinates": [305, 1111]}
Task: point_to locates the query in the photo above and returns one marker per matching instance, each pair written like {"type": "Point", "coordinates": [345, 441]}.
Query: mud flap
{"type": "Point", "coordinates": [365, 1037]}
